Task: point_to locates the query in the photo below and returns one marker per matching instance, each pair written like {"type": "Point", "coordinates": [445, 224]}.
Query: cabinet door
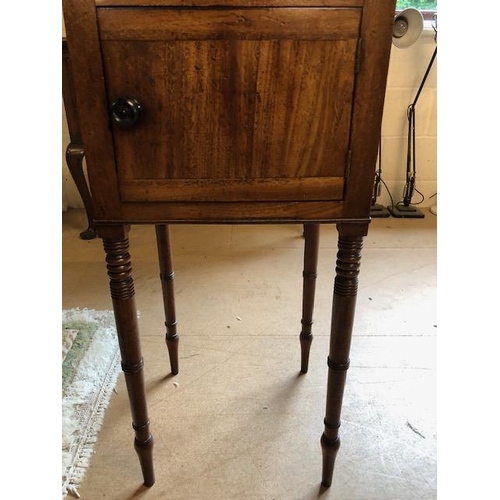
{"type": "Point", "coordinates": [238, 104]}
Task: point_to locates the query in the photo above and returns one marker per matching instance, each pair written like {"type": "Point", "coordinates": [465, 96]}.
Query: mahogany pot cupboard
{"type": "Point", "coordinates": [229, 111]}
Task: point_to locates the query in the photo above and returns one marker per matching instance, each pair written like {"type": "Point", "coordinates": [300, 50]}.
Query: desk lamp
{"type": "Point", "coordinates": [408, 27]}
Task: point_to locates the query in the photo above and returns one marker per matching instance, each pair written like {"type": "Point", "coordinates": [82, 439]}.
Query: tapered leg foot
{"type": "Point", "coordinates": [305, 349]}
{"type": "Point", "coordinates": [145, 452]}
{"type": "Point", "coordinates": [329, 449]}
{"type": "Point", "coordinates": [311, 245]}
{"type": "Point", "coordinates": [173, 353]}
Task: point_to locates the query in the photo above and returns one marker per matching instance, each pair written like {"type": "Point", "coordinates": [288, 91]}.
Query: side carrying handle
{"type": "Point", "coordinates": [126, 112]}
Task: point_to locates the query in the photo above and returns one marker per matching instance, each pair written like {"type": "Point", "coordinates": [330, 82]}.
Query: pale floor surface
{"type": "Point", "coordinates": [240, 422]}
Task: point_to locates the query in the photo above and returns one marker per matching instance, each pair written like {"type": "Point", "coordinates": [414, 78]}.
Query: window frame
{"type": "Point", "coordinates": [428, 15]}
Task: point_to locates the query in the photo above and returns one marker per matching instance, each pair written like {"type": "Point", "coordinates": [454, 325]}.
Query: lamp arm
{"type": "Point", "coordinates": [411, 164]}
{"type": "Point", "coordinates": [431, 62]}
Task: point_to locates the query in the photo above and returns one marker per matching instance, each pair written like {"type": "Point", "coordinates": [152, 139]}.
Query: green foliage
{"type": "Point", "coordinates": [417, 4]}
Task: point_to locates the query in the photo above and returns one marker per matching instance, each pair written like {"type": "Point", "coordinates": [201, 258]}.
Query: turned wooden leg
{"type": "Point", "coordinates": [167, 285]}
{"type": "Point", "coordinates": [74, 160]}
{"type": "Point", "coordinates": [115, 241]}
{"type": "Point", "coordinates": [311, 233]}
{"type": "Point", "coordinates": [344, 301]}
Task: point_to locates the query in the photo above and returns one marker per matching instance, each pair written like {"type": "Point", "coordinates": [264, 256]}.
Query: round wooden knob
{"type": "Point", "coordinates": [126, 112]}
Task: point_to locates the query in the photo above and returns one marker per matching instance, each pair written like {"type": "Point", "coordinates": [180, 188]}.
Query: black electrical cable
{"type": "Point", "coordinates": [380, 172]}
{"type": "Point", "coordinates": [388, 192]}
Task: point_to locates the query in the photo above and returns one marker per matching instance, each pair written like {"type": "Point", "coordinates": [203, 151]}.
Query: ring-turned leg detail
{"type": "Point", "coordinates": [311, 245]}
{"type": "Point", "coordinates": [167, 285]}
{"type": "Point", "coordinates": [344, 302]}
{"type": "Point", "coordinates": [119, 268]}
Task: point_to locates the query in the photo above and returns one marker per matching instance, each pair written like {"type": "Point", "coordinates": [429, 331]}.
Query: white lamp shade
{"type": "Point", "coordinates": [407, 28]}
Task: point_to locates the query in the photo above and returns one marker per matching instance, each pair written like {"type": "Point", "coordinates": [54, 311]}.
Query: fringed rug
{"type": "Point", "coordinates": [90, 367]}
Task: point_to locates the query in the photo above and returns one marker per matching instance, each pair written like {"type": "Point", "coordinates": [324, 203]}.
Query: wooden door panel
{"type": "Point", "coordinates": [279, 115]}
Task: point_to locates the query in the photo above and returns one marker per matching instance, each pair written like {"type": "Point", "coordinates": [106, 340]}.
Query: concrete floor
{"type": "Point", "coordinates": [239, 422]}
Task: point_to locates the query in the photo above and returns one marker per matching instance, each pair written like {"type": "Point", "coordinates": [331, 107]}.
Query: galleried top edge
{"type": "Point", "coordinates": [229, 3]}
